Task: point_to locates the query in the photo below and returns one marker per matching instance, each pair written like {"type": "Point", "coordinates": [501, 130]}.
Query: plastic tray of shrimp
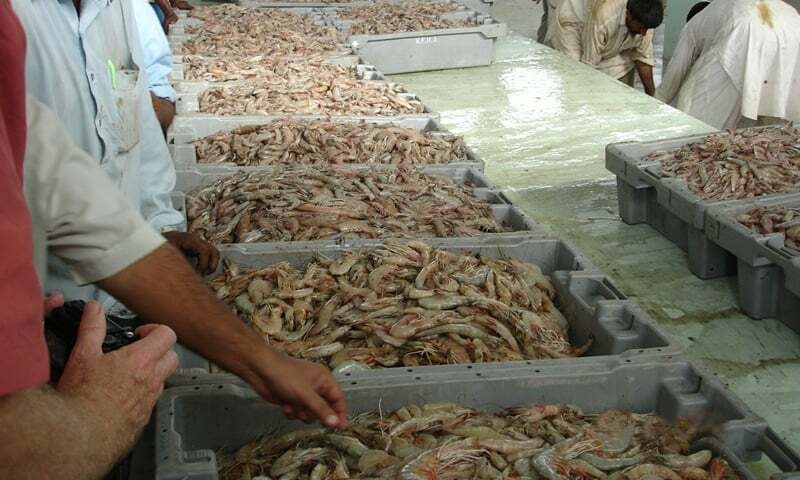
{"type": "Point", "coordinates": [360, 71]}
{"type": "Point", "coordinates": [669, 205]}
{"type": "Point", "coordinates": [631, 161]}
{"type": "Point", "coordinates": [177, 31]}
{"type": "Point", "coordinates": [178, 72]}
{"type": "Point", "coordinates": [188, 104]}
{"type": "Point", "coordinates": [472, 45]}
{"type": "Point", "coordinates": [450, 202]}
{"type": "Point", "coordinates": [653, 417]}
{"type": "Point", "coordinates": [185, 131]}
{"type": "Point", "coordinates": [393, 332]}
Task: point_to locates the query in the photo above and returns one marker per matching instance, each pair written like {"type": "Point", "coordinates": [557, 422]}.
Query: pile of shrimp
{"type": "Point", "coordinates": [325, 203]}
{"type": "Point", "coordinates": [401, 305]}
{"type": "Point", "coordinates": [448, 441]}
{"type": "Point", "coordinates": [737, 163]}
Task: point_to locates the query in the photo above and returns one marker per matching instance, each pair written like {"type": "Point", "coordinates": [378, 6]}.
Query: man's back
{"type": "Point", "coordinates": [737, 58]}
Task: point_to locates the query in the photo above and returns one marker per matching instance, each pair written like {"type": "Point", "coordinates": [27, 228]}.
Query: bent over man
{"type": "Point", "coordinates": [737, 64]}
{"type": "Point", "coordinates": [613, 36]}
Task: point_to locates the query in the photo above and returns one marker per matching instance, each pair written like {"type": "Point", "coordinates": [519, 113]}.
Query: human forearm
{"type": "Point", "coordinates": [55, 436]}
{"type": "Point", "coordinates": [646, 75]}
{"type": "Point", "coordinates": [162, 288]}
{"type": "Point", "coordinates": [165, 111]}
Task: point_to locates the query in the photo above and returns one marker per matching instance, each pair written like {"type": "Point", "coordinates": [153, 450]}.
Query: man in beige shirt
{"type": "Point", "coordinates": [613, 36]}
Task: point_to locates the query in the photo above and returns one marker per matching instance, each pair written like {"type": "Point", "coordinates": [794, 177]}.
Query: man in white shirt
{"type": "Point", "coordinates": [737, 64]}
{"type": "Point", "coordinates": [613, 36]}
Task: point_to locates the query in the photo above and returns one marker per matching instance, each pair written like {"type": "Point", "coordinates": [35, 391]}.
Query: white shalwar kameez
{"type": "Point", "coordinates": [594, 32]}
{"type": "Point", "coordinates": [737, 64]}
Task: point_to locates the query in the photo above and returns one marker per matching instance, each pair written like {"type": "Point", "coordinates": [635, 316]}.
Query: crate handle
{"type": "Point", "coordinates": [781, 454]}
{"type": "Point", "coordinates": [647, 171]}
{"type": "Point", "coordinates": [613, 289]}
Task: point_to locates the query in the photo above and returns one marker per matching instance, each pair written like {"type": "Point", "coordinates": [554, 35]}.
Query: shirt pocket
{"type": "Point", "coordinates": [125, 113]}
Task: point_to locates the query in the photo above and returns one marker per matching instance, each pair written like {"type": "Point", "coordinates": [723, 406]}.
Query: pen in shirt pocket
{"type": "Point", "coordinates": [112, 73]}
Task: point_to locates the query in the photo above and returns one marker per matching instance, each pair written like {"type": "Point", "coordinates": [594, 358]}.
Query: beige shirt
{"type": "Point", "coordinates": [594, 32]}
{"type": "Point", "coordinates": [77, 213]}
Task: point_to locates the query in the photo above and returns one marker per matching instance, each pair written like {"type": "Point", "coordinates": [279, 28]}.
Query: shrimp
{"type": "Point", "coordinates": [294, 459]}
{"type": "Point", "coordinates": [645, 470]}
{"type": "Point", "coordinates": [677, 462]}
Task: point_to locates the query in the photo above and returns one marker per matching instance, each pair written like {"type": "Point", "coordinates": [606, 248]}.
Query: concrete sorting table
{"type": "Point", "coordinates": [541, 123]}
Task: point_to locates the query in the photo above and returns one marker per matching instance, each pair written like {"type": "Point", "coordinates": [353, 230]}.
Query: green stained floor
{"type": "Point", "coordinates": [541, 122]}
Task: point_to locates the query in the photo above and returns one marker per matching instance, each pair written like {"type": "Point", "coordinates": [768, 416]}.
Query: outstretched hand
{"type": "Point", "coordinates": [304, 390]}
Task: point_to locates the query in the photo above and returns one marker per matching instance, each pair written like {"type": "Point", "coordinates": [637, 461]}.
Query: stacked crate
{"type": "Point", "coordinates": [716, 243]}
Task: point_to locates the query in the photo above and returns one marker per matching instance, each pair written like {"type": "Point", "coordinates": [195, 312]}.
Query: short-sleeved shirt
{"type": "Point", "coordinates": [23, 352]}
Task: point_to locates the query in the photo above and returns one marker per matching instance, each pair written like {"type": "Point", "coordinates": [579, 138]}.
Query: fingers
{"type": "Point", "coordinates": [330, 391]}
{"type": "Point", "coordinates": [91, 332]}
{"type": "Point", "coordinates": [156, 340]}
{"type": "Point", "coordinates": [207, 255]}
{"type": "Point", "coordinates": [167, 365]}
{"type": "Point", "coordinates": [319, 408]}
{"type": "Point", "coordinates": [53, 301]}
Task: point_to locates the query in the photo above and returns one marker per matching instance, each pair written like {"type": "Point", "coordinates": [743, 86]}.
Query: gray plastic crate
{"type": "Point", "coordinates": [593, 305]}
{"type": "Point", "coordinates": [195, 421]}
{"type": "Point", "coordinates": [509, 216]}
{"type": "Point", "coordinates": [185, 130]}
{"type": "Point", "coordinates": [177, 40]}
{"type": "Point", "coordinates": [768, 273]}
{"type": "Point", "coordinates": [188, 104]}
{"type": "Point", "coordinates": [178, 70]}
{"type": "Point", "coordinates": [362, 72]}
{"type": "Point", "coordinates": [439, 49]}
{"type": "Point", "coordinates": [667, 204]}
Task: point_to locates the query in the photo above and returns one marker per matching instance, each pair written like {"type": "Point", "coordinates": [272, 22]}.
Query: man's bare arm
{"type": "Point", "coordinates": [163, 288]}
{"type": "Point", "coordinates": [646, 75]}
{"type": "Point", "coordinates": [49, 435]}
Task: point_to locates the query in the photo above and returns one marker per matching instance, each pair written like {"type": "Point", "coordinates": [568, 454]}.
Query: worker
{"type": "Point", "coordinates": [737, 64]}
{"type": "Point", "coordinates": [157, 58]}
{"type": "Point", "coordinates": [91, 78]}
{"type": "Point", "coordinates": [613, 36]}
